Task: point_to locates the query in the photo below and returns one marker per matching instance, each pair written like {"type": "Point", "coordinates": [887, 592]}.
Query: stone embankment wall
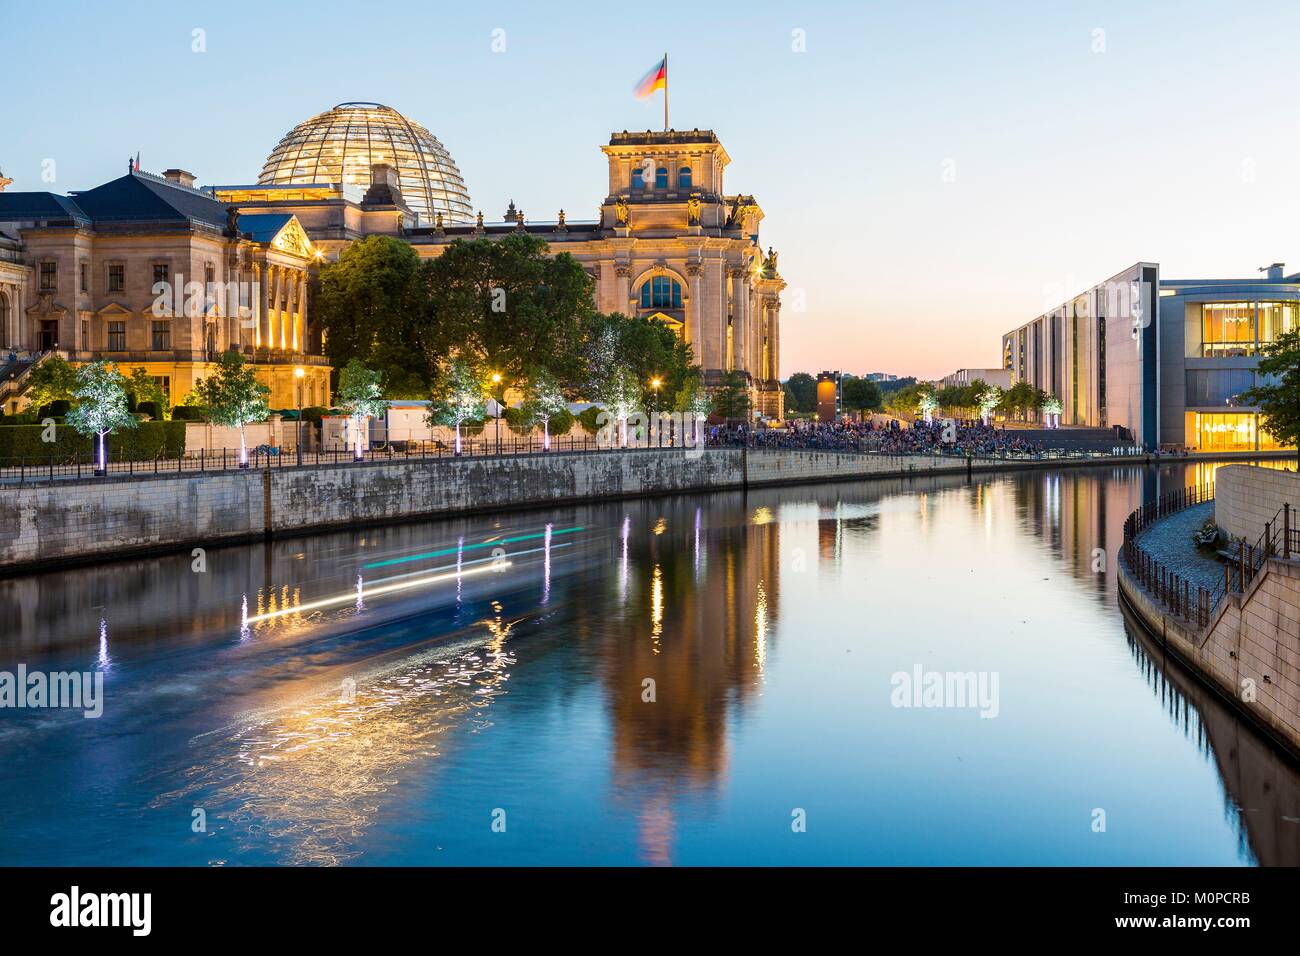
{"type": "Point", "coordinates": [1250, 650]}
{"type": "Point", "coordinates": [1246, 496]}
{"type": "Point", "coordinates": [61, 521]}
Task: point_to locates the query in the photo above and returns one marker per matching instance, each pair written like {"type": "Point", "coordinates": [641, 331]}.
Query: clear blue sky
{"type": "Point", "coordinates": [1177, 143]}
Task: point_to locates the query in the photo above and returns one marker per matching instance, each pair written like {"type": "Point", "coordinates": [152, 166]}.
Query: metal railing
{"type": "Point", "coordinates": [82, 465]}
{"type": "Point", "coordinates": [1173, 591]}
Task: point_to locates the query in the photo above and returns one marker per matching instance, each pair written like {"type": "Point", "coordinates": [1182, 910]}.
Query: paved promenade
{"type": "Point", "coordinates": [1169, 541]}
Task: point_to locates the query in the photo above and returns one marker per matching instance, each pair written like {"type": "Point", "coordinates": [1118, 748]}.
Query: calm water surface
{"type": "Point", "coordinates": [383, 696]}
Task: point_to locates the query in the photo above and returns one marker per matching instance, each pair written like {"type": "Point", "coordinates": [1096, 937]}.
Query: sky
{"type": "Point", "coordinates": [932, 174]}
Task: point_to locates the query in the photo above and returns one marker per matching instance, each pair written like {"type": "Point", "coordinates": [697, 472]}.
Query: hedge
{"type": "Point", "coordinates": [142, 443]}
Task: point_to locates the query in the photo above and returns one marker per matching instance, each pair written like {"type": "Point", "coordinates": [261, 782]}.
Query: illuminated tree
{"type": "Point", "coordinates": [361, 397]}
{"type": "Point", "coordinates": [100, 394]}
{"type": "Point", "coordinates": [459, 396]}
{"type": "Point", "coordinates": [234, 397]}
{"type": "Point", "coordinates": [543, 399]}
{"type": "Point", "coordinates": [988, 400]}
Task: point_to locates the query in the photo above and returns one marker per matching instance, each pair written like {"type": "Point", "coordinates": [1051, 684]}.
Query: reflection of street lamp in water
{"type": "Point", "coordinates": [496, 397]}
{"type": "Point", "coordinates": [298, 374]}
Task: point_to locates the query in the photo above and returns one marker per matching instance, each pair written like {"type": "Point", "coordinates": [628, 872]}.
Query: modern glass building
{"type": "Point", "coordinates": [1166, 359]}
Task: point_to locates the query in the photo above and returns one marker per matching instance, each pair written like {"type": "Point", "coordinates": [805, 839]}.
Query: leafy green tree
{"type": "Point", "coordinates": [146, 388]}
{"type": "Point", "coordinates": [373, 306]}
{"type": "Point", "coordinates": [803, 388]}
{"type": "Point", "coordinates": [860, 394]}
{"type": "Point", "coordinates": [511, 306]}
{"type": "Point", "coordinates": [731, 397]}
{"type": "Point", "coordinates": [100, 395]}
{"type": "Point", "coordinates": [648, 349]}
{"type": "Point", "coordinates": [53, 379]}
{"type": "Point", "coordinates": [459, 396]}
{"type": "Point", "coordinates": [1277, 392]}
{"type": "Point", "coordinates": [544, 399]}
{"type": "Point", "coordinates": [234, 397]}
{"type": "Point", "coordinates": [361, 397]}
{"type": "Point", "coordinates": [694, 402]}
{"type": "Point", "coordinates": [988, 400]}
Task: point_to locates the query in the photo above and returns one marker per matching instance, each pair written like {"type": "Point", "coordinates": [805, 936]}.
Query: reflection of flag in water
{"type": "Point", "coordinates": [656, 79]}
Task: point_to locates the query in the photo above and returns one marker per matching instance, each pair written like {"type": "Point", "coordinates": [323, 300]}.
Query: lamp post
{"type": "Point", "coordinates": [298, 374]}
{"type": "Point", "coordinates": [496, 397]}
{"type": "Point", "coordinates": [655, 384]}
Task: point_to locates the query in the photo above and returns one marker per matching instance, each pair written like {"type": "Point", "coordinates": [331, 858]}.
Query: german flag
{"type": "Point", "coordinates": [656, 79]}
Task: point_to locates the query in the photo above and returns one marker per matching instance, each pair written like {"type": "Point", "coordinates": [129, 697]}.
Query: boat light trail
{"type": "Point", "coordinates": [359, 593]}
{"type": "Point", "coordinates": [469, 547]}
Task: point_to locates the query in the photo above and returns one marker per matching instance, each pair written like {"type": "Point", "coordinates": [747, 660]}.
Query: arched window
{"type": "Point", "coordinates": [661, 292]}
{"type": "Point", "coordinates": [684, 178]}
{"type": "Point", "coordinates": [637, 182]}
{"type": "Point", "coordinates": [661, 178]}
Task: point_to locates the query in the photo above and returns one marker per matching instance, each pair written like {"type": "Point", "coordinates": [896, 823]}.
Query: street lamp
{"type": "Point", "coordinates": [496, 397]}
{"type": "Point", "coordinates": [298, 374]}
{"type": "Point", "coordinates": [655, 384]}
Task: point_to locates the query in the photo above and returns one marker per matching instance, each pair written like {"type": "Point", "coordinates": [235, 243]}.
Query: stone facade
{"type": "Point", "coordinates": [669, 244]}
{"type": "Point", "coordinates": [147, 272]}
{"type": "Point", "coordinates": [1247, 496]}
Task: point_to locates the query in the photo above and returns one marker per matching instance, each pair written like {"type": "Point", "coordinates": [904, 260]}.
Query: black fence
{"type": "Point", "coordinates": [1193, 603]}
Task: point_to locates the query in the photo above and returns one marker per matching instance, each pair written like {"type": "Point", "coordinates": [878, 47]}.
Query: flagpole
{"type": "Point", "coordinates": [665, 91]}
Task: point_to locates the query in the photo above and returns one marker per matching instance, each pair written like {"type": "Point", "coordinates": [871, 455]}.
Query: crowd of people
{"type": "Point", "coordinates": [946, 437]}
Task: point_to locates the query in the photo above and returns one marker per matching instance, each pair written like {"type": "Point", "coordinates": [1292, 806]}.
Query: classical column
{"type": "Point", "coordinates": [277, 307]}
{"type": "Point", "coordinates": [739, 318]}
{"type": "Point", "coordinates": [300, 332]}
{"type": "Point", "coordinates": [624, 286]}
{"type": "Point", "coordinates": [693, 314]}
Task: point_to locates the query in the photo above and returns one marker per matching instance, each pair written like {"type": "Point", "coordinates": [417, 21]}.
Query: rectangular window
{"type": "Point", "coordinates": [162, 335]}
{"type": "Point", "coordinates": [49, 276]}
{"type": "Point", "coordinates": [161, 271]}
{"type": "Point", "coordinates": [117, 336]}
{"type": "Point", "coordinates": [1227, 329]}
{"type": "Point", "coordinates": [116, 278]}
{"type": "Point", "coordinates": [85, 277]}
{"type": "Point", "coordinates": [164, 382]}
{"type": "Point", "coordinates": [1276, 318]}
{"type": "Point", "coordinates": [1231, 431]}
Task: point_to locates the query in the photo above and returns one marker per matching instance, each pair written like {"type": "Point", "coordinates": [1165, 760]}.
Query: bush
{"type": "Point", "coordinates": [515, 421]}
{"type": "Point", "coordinates": [190, 413]}
{"type": "Point", "coordinates": [142, 443]}
{"type": "Point", "coordinates": [587, 418]}
{"type": "Point", "coordinates": [56, 409]}
{"type": "Point", "coordinates": [151, 409]}
{"type": "Point", "coordinates": [561, 423]}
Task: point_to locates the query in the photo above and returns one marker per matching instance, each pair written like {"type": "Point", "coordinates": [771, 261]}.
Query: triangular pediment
{"type": "Point", "coordinates": [292, 238]}
{"type": "Point", "coordinates": [672, 322]}
{"type": "Point", "coordinates": [46, 306]}
{"type": "Point", "coordinates": [114, 309]}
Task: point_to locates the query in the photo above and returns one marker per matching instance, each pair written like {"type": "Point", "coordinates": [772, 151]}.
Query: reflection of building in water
{"type": "Point", "coordinates": [1262, 788]}
{"type": "Point", "coordinates": [701, 637]}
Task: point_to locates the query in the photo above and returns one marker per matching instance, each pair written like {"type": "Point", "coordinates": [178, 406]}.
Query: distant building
{"type": "Point", "coordinates": [1168, 359]}
{"type": "Point", "coordinates": [828, 396]}
{"type": "Point", "coordinates": [880, 377]}
{"type": "Point", "coordinates": [1001, 377]}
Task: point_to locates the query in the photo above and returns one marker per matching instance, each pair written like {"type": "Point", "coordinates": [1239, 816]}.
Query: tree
{"type": "Point", "coordinates": [693, 401]}
{"type": "Point", "coordinates": [459, 396]}
{"type": "Point", "coordinates": [373, 306]}
{"type": "Point", "coordinates": [731, 398]}
{"type": "Point", "coordinates": [804, 389]}
{"type": "Point", "coordinates": [234, 397]}
{"type": "Point", "coordinates": [1050, 406]}
{"type": "Point", "coordinates": [543, 399]}
{"type": "Point", "coordinates": [510, 306]}
{"type": "Point", "coordinates": [1278, 391]}
{"type": "Point", "coordinates": [361, 397]}
{"type": "Point", "coordinates": [649, 349]}
{"type": "Point", "coordinates": [100, 395]}
{"type": "Point", "coordinates": [52, 379]}
{"type": "Point", "coordinates": [860, 394]}
{"type": "Point", "coordinates": [988, 400]}
{"type": "Point", "coordinates": [145, 388]}
{"type": "Point", "coordinates": [927, 403]}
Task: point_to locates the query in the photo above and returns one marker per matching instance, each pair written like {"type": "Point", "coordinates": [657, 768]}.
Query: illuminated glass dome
{"type": "Point", "coordinates": [340, 145]}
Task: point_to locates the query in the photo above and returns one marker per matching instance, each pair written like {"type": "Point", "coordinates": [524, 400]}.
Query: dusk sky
{"type": "Point", "coordinates": [932, 175]}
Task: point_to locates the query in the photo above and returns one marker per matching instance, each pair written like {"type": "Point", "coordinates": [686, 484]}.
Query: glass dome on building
{"type": "Point", "coordinates": [340, 145]}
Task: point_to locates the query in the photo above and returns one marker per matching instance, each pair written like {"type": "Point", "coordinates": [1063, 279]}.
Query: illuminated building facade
{"type": "Point", "coordinates": [669, 242]}
{"type": "Point", "coordinates": [1167, 359]}
{"type": "Point", "coordinates": [148, 272]}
